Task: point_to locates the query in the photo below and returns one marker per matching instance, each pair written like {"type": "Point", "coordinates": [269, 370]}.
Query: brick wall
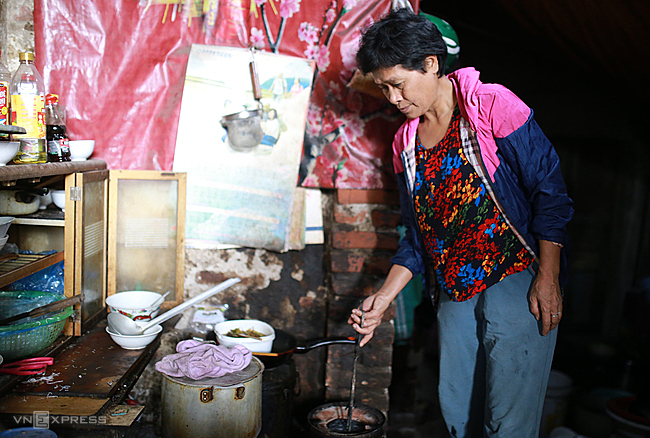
{"type": "Point", "coordinates": [363, 239]}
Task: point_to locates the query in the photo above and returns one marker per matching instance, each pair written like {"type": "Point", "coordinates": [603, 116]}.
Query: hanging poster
{"type": "Point", "coordinates": [241, 192]}
{"type": "Point", "coordinates": [118, 68]}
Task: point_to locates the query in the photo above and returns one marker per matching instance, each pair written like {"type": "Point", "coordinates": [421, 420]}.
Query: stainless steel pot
{"type": "Point", "coordinates": [229, 406]}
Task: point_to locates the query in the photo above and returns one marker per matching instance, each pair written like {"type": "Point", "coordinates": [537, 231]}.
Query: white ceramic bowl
{"type": "Point", "coordinates": [80, 150]}
{"type": "Point", "coordinates": [262, 345]}
{"type": "Point", "coordinates": [3, 240]}
{"type": "Point", "coordinates": [5, 223]}
{"type": "Point", "coordinates": [135, 304]}
{"type": "Point", "coordinates": [58, 197]}
{"type": "Point", "coordinates": [135, 342]}
{"type": "Point", "coordinates": [8, 150]}
{"type": "Point", "coordinates": [44, 201]}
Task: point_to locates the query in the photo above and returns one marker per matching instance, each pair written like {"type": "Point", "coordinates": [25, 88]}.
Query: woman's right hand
{"type": "Point", "coordinates": [374, 307]}
{"type": "Point", "coordinates": [376, 304]}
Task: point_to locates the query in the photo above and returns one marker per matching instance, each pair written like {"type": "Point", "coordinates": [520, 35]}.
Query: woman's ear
{"type": "Point", "coordinates": [431, 64]}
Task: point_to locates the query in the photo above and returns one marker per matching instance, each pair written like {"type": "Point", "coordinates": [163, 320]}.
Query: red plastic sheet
{"type": "Point", "coordinates": [118, 67]}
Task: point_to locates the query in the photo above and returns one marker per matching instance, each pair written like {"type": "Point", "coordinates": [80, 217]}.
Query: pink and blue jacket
{"type": "Point", "coordinates": [516, 162]}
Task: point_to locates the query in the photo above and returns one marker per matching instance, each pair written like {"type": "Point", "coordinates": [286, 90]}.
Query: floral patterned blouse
{"type": "Point", "coordinates": [467, 239]}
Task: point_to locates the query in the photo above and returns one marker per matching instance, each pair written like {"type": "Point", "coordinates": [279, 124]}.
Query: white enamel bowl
{"type": "Point", "coordinates": [135, 342]}
{"type": "Point", "coordinates": [136, 304]}
{"type": "Point", "coordinates": [262, 345]}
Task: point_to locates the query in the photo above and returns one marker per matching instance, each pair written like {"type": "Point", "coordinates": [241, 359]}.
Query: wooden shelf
{"type": "Point", "coordinates": [13, 172]}
{"type": "Point", "coordinates": [26, 264]}
{"type": "Point", "coordinates": [51, 217]}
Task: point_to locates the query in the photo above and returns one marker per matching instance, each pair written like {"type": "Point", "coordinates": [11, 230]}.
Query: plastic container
{"type": "Point", "coordinates": [262, 345]}
{"type": "Point", "coordinates": [28, 110]}
{"type": "Point", "coordinates": [28, 432]}
{"type": "Point", "coordinates": [32, 335]}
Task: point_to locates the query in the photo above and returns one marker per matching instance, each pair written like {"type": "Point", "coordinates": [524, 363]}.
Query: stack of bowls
{"type": "Point", "coordinates": [139, 306]}
{"type": "Point", "coordinates": [5, 222]}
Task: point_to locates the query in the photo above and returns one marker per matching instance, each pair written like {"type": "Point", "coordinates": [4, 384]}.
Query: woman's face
{"type": "Point", "coordinates": [411, 91]}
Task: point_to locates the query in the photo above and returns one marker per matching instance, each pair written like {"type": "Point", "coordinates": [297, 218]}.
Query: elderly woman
{"type": "Point", "coordinates": [486, 209]}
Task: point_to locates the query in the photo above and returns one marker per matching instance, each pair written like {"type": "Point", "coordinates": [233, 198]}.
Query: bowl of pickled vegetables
{"type": "Point", "coordinates": [253, 334]}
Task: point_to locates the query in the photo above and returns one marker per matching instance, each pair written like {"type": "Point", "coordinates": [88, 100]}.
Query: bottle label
{"type": "Point", "coordinates": [28, 111]}
{"type": "Point", "coordinates": [4, 103]}
{"type": "Point", "coordinates": [54, 147]}
{"type": "Point", "coordinates": [64, 144]}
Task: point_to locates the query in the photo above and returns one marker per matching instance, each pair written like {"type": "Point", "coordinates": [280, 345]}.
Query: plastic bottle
{"type": "Point", "coordinates": [28, 110]}
{"type": "Point", "coordinates": [58, 146]}
{"type": "Point", "coordinates": [5, 80]}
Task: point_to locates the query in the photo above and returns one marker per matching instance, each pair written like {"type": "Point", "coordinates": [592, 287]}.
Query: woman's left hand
{"type": "Point", "coordinates": [545, 294]}
{"type": "Point", "coordinates": [546, 302]}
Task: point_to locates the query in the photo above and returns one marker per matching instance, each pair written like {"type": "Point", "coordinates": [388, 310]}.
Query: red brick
{"type": "Point", "coordinates": [366, 261]}
{"type": "Point", "coordinates": [345, 217]}
{"type": "Point", "coordinates": [386, 218]}
{"type": "Point", "coordinates": [365, 240]}
{"type": "Point", "coordinates": [386, 197]}
{"type": "Point", "coordinates": [356, 284]}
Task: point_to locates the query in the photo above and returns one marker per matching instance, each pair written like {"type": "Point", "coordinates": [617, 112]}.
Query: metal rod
{"type": "Point", "coordinates": [353, 385]}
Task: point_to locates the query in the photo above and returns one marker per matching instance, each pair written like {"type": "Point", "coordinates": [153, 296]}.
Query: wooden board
{"type": "Point", "coordinates": [54, 405]}
{"type": "Point", "coordinates": [93, 367]}
{"type": "Point", "coordinates": [123, 415]}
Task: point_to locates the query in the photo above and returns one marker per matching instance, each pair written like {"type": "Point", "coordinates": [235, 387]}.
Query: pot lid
{"type": "Point", "coordinates": [253, 369]}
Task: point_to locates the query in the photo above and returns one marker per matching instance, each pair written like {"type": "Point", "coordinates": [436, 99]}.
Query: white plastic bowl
{"type": "Point", "coordinates": [135, 304]}
{"type": "Point", "coordinates": [8, 150]}
{"type": "Point", "coordinates": [263, 345]}
{"type": "Point", "coordinates": [58, 197]}
{"type": "Point", "coordinates": [80, 150]}
{"type": "Point", "coordinates": [135, 342]}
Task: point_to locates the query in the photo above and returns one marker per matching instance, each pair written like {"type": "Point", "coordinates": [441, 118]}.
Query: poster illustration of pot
{"type": "Point", "coordinates": [241, 155]}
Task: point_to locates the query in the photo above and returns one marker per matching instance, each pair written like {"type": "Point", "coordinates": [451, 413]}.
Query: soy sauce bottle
{"type": "Point", "coordinates": [58, 146]}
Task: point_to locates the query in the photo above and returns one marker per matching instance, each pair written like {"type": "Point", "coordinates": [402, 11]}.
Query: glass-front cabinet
{"type": "Point", "coordinates": [117, 230]}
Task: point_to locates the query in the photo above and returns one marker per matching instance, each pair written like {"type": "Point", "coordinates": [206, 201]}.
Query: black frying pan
{"type": "Point", "coordinates": [285, 345]}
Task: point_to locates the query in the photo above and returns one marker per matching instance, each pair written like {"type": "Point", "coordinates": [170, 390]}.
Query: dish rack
{"type": "Point", "coordinates": [27, 338]}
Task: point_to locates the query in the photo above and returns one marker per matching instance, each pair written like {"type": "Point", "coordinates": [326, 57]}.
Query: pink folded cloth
{"type": "Point", "coordinates": [197, 360]}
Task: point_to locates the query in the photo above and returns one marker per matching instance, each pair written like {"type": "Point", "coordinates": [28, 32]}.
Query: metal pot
{"type": "Point", "coordinates": [19, 202]}
{"type": "Point", "coordinates": [372, 420]}
{"type": "Point", "coordinates": [244, 129]}
{"type": "Point", "coordinates": [228, 406]}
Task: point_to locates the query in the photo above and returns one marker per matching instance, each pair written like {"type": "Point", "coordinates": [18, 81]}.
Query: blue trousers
{"type": "Point", "coordinates": [494, 363]}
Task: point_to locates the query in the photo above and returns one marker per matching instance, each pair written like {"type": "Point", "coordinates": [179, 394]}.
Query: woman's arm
{"type": "Point", "coordinates": [376, 305]}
